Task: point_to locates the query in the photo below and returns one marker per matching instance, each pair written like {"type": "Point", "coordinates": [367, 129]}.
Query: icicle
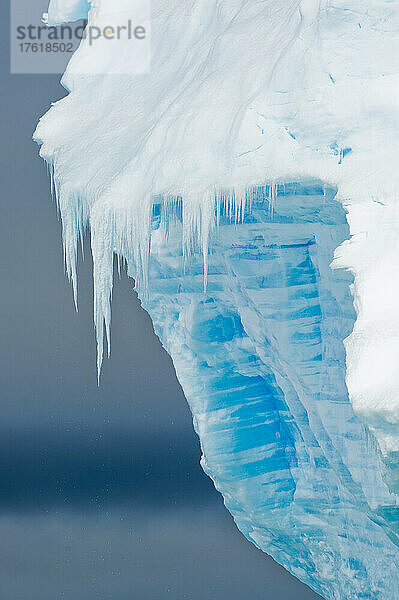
{"type": "Point", "coordinates": [124, 230]}
{"type": "Point", "coordinates": [102, 250]}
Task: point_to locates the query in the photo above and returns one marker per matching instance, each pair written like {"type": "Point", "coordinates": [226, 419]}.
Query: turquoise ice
{"type": "Point", "coordinates": [261, 359]}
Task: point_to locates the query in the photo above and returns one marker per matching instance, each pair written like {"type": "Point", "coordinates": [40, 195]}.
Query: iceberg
{"type": "Point", "coordinates": [249, 182]}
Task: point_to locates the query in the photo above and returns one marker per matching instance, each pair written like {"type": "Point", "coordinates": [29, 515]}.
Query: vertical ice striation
{"type": "Point", "coordinates": [179, 172]}
{"type": "Point", "coordinates": [261, 360]}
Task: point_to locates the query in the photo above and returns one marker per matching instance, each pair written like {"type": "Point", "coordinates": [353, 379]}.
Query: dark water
{"type": "Point", "coordinates": [101, 493]}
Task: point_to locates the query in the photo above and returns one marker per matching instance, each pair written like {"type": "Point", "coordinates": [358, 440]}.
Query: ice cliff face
{"type": "Point", "coordinates": [261, 360]}
{"type": "Point", "coordinates": [180, 171]}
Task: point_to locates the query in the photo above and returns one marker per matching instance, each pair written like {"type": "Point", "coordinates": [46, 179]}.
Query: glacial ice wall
{"type": "Point", "coordinates": [244, 96]}
{"type": "Point", "coordinates": [261, 360]}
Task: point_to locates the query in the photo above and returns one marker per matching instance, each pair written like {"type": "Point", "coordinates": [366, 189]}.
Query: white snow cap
{"type": "Point", "coordinates": [241, 93]}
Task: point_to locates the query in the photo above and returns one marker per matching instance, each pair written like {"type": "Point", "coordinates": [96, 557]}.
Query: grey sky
{"type": "Point", "coordinates": [102, 495]}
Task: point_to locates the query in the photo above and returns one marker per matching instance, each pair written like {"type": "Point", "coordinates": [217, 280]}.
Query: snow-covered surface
{"type": "Point", "coordinates": [117, 36]}
{"type": "Point", "coordinates": [242, 94]}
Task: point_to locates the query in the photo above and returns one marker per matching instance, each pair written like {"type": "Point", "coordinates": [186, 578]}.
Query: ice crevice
{"type": "Point", "coordinates": [249, 181]}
